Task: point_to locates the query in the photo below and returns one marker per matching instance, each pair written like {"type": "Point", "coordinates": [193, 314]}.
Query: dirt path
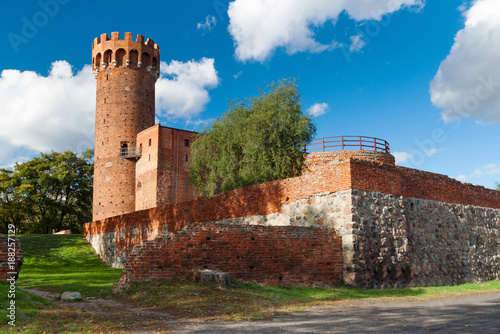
{"type": "Point", "coordinates": [478, 313]}
{"type": "Point", "coordinates": [113, 310]}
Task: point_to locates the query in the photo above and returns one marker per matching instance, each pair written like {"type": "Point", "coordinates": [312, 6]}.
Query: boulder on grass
{"type": "Point", "coordinates": [223, 280]}
{"type": "Point", "coordinates": [67, 296]}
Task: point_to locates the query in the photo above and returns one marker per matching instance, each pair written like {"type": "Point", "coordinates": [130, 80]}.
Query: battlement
{"type": "Point", "coordinates": [115, 52]}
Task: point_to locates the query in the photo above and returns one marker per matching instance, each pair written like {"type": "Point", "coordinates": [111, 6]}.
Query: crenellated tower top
{"type": "Point", "coordinates": [116, 52]}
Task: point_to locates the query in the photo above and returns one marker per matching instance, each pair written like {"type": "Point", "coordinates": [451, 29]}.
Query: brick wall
{"type": "Point", "coordinates": [115, 237]}
{"type": "Point", "coordinates": [173, 173]}
{"type": "Point", "coordinates": [5, 258]}
{"type": "Point", "coordinates": [319, 159]}
{"type": "Point", "coordinates": [269, 255]}
{"type": "Point", "coordinates": [162, 174]}
{"type": "Point", "coordinates": [146, 169]}
{"type": "Point", "coordinates": [408, 182]}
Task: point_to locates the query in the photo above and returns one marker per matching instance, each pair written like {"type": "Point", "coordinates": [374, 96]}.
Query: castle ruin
{"type": "Point", "coordinates": [352, 216]}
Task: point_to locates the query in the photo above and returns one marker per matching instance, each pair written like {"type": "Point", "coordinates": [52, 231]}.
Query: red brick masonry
{"type": "Point", "coordinates": [269, 255]}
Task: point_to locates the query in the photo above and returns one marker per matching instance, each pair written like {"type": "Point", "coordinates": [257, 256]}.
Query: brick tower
{"type": "Point", "coordinates": [126, 72]}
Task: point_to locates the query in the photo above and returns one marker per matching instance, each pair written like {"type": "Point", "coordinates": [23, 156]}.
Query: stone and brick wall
{"type": "Point", "coordinates": [269, 255]}
{"type": "Point", "coordinates": [5, 252]}
{"type": "Point", "coordinates": [395, 231]}
{"type": "Point", "coordinates": [115, 237]}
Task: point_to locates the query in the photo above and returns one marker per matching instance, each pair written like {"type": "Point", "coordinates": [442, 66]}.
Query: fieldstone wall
{"type": "Point", "coordinates": [399, 242]}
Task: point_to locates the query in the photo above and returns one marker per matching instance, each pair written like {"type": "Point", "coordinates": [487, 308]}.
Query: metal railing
{"type": "Point", "coordinates": [340, 143]}
{"type": "Point", "coordinates": [130, 152]}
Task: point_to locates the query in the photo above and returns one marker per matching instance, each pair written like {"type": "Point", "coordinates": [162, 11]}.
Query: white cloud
{"type": "Point", "coordinates": [182, 90]}
{"type": "Point", "coordinates": [486, 170]}
{"type": "Point", "coordinates": [401, 157]}
{"type": "Point", "coordinates": [357, 43]}
{"type": "Point", "coordinates": [56, 112]}
{"type": "Point", "coordinates": [317, 109]}
{"type": "Point", "coordinates": [431, 152]}
{"type": "Point", "coordinates": [40, 113]}
{"type": "Point", "coordinates": [208, 25]}
{"type": "Point", "coordinates": [467, 83]}
{"type": "Point", "coordinates": [259, 27]}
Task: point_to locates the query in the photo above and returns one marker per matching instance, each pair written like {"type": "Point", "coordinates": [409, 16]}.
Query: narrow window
{"type": "Point", "coordinates": [149, 141]}
{"type": "Point", "coordinates": [186, 157]}
{"type": "Point", "coordinates": [186, 142]}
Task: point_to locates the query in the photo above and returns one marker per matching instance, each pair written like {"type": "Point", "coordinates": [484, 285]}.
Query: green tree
{"type": "Point", "coordinates": [12, 205]}
{"type": "Point", "coordinates": [255, 141]}
{"type": "Point", "coordinates": [53, 191]}
{"type": "Point", "coordinates": [497, 184]}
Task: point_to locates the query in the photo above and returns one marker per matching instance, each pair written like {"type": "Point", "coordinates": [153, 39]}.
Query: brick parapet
{"type": "Point", "coordinates": [408, 182]}
{"type": "Point", "coordinates": [317, 160]}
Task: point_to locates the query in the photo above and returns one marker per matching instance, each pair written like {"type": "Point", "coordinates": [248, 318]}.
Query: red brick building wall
{"type": "Point", "coordinates": [146, 169]}
{"type": "Point", "coordinates": [269, 255]}
{"type": "Point", "coordinates": [173, 173]}
{"type": "Point", "coordinates": [162, 174]}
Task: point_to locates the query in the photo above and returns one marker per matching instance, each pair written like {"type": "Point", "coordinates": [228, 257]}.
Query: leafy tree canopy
{"type": "Point", "coordinates": [255, 141]}
{"type": "Point", "coordinates": [497, 184]}
{"type": "Point", "coordinates": [50, 192]}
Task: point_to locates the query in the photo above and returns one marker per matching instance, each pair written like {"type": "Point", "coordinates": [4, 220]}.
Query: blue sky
{"type": "Point", "coordinates": [424, 75]}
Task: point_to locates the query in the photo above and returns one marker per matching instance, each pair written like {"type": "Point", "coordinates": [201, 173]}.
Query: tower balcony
{"type": "Point", "coordinates": [130, 152]}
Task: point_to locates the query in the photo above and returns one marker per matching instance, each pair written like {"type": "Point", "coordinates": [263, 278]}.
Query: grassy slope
{"type": "Point", "coordinates": [27, 305]}
{"type": "Point", "coordinates": [59, 263]}
{"type": "Point", "coordinates": [56, 263]}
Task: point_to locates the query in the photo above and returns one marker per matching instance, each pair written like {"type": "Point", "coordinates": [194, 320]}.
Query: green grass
{"type": "Point", "coordinates": [59, 263]}
{"type": "Point", "coordinates": [37, 315]}
{"type": "Point", "coordinates": [26, 304]}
